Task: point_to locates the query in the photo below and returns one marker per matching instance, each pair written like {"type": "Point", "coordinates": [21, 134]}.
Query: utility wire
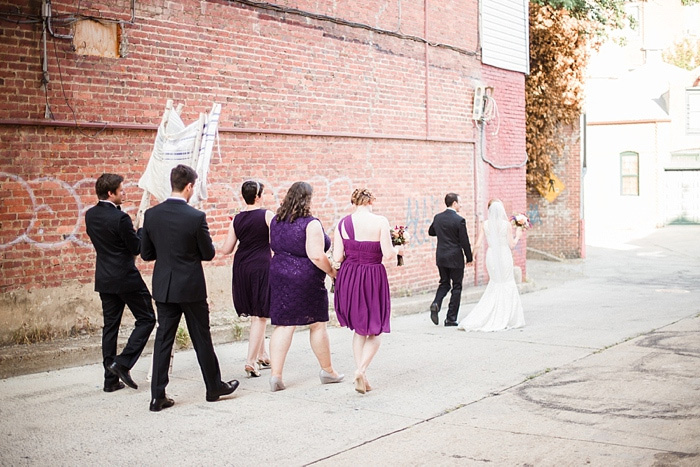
{"type": "Point", "coordinates": [351, 24]}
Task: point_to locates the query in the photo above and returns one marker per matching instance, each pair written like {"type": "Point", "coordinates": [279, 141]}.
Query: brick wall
{"type": "Point", "coordinates": [558, 225]}
{"type": "Point", "coordinates": [303, 99]}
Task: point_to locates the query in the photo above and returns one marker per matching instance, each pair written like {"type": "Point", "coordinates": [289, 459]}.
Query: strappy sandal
{"type": "Point", "coordinates": [251, 371]}
{"type": "Point", "coordinates": [264, 364]}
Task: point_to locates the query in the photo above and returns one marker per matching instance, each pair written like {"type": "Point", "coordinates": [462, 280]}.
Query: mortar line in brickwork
{"type": "Point", "coordinates": [318, 134]}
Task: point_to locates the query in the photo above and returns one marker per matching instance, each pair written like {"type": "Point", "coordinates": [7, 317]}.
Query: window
{"type": "Point", "coordinates": [692, 121]}
{"type": "Point", "coordinates": [633, 16]}
{"type": "Point", "coordinates": [629, 173]}
{"type": "Point", "coordinates": [505, 34]}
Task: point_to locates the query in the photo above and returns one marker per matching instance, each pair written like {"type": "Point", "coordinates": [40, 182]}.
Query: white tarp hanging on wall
{"type": "Point", "coordinates": [179, 144]}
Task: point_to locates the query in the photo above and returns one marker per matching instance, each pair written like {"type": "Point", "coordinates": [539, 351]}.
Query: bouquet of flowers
{"type": "Point", "coordinates": [399, 236]}
{"type": "Point", "coordinates": [520, 220]}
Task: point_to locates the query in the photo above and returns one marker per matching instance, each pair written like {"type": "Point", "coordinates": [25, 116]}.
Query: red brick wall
{"type": "Point", "coordinates": [557, 226]}
{"type": "Point", "coordinates": [303, 99]}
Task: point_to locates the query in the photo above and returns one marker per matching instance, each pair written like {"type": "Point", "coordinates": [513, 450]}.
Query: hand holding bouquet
{"type": "Point", "coordinates": [399, 236]}
{"type": "Point", "coordinates": [520, 220]}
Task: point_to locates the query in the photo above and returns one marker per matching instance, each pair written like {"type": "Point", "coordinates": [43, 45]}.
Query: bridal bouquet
{"type": "Point", "coordinates": [399, 236]}
{"type": "Point", "coordinates": [520, 220]}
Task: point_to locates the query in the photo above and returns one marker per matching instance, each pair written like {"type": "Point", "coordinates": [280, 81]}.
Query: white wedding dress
{"type": "Point", "coordinates": [499, 307]}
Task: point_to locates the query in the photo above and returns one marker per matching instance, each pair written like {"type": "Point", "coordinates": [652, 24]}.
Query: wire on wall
{"type": "Point", "coordinates": [351, 24]}
{"type": "Point", "coordinates": [490, 113]}
{"type": "Point", "coordinates": [63, 90]}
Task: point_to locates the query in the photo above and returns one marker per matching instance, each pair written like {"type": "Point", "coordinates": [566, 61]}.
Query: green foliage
{"type": "Point", "coordinates": [684, 53]}
{"type": "Point", "coordinates": [182, 338]}
{"type": "Point", "coordinates": [237, 332]}
{"type": "Point", "coordinates": [604, 14]}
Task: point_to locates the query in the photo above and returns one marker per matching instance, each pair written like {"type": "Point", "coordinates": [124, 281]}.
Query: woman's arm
{"type": "Point", "coordinates": [315, 243]}
{"type": "Point", "coordinates": [479, 239]}
{"type": "Point", "coordinates": [389, 251]}
{"type": "Point", "coordinates": [514, 239]}
{"type": "Point", "coordinates": [230, 242]}
{"type": "Point", "coordinates": [338, 247]}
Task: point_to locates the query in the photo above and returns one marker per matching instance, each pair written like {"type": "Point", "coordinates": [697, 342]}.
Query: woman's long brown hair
{"type": "Point", "coordinates": [297, 202]}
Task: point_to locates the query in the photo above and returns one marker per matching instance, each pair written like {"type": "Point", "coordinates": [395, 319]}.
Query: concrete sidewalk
{"type": "Point", "coordinates": [606, 372]}
{"type": "Point", "coordinates": [226, 328]}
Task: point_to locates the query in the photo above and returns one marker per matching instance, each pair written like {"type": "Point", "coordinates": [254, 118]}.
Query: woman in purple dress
{"type": "Point", "coordinates": [298, 295]}
{"type": "Point", "coordinates": [362, 303]}
{"type": "Point", "coordinates": [250, 229]}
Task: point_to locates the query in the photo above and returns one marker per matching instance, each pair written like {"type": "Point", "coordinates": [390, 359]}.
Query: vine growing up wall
{"type": "Point", "coordinates": [563, 33]}
{"type": "Point", "coordinates": [560, 46]}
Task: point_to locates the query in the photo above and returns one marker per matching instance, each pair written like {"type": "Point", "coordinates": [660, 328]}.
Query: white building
{"type": "Point", "coordinates": [642, 133]}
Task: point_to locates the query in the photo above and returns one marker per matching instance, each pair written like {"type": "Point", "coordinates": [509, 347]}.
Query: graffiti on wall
{"type": "Point", "coordinates": [48, 213]}
{"type": "Point", "coordinates": [419, 216]}
{"type": "Point", "coordinates": [533, 213]}
{"type": "Point", "coordinates": [28, 216]}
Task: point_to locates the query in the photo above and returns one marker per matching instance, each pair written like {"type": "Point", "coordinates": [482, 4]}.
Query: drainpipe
{"type": "Point", "coordinates": [427, 70]}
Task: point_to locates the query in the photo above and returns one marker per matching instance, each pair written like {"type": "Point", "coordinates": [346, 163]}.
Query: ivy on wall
{"type": "Point", "coordinates": [559, 53]}
{"type": "Point", "coordinates": [563, 33]}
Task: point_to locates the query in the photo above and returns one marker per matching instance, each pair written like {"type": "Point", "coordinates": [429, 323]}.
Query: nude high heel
{"type": "Point", "coordinates": [276, 384]}
{"type": "Point", "coordinates": [251, 371]}
{"type": "Point", "coordinates": [328, 378]}
{"type": "Point", "coordinates": [360, 385]}
{"type": "Point", "coordinates": [264, 364]}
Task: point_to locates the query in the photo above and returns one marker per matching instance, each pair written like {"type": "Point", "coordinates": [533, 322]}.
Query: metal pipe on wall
{"type": "Point", "coordinates": [264, 131]}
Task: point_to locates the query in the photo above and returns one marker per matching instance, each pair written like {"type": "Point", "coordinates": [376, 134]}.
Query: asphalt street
{"type": "Point", "coordinates": [606, 372]}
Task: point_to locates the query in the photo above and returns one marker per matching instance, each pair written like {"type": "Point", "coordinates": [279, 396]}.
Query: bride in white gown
{"type": "Point", "coordinates": [499, 307]}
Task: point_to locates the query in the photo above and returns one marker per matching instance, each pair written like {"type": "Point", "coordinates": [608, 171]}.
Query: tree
{"type": "Point", "coordinates": [562, 35]}
{"type": "Point", "coordinates": [684, 54]}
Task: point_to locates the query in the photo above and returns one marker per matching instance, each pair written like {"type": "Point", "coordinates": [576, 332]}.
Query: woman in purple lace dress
{"type": "Point", "coordinates": [250, 229]}
{"type": "Point", "coordinates": [298, 295]}
{"type": "Point", "coordinates": [362, 303]}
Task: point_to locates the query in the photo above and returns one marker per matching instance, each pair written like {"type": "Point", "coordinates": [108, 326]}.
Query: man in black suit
{"type": "Point", "coordinates": [176, 236]}
{"type": "Point", "coordinates": [118, 281]}
{"type": "Point", "coordinates": [452, 247]}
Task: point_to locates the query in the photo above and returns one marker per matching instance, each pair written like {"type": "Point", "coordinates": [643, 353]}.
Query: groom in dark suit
{"type": "Point", "coordinates": [118, 281]}
{"type": "Point", "coordinates": [452, 247]}
{"type": "Point", "coordinates": [176, 236]}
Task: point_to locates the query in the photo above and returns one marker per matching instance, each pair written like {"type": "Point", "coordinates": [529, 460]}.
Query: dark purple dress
{"type": "Point", "coordinates": [251, 264]}
{"type": "Point", "coordinates": [362, 301]}
{"type": "Point", "coordinates": [298, 294]}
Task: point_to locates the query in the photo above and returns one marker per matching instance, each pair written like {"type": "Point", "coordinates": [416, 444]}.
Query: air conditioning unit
{"type": "Point", "coordinates": [478, 108]}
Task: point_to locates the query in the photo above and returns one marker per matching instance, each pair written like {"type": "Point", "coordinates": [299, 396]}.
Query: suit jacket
{"type": "Point", "coordinates": [452, 240]}
{"type": "Point", "coordinates": [116, 243]}
{"type": "Point", "coordinates": [176, 236]}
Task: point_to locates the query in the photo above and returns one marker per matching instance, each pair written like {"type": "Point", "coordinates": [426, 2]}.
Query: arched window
{"type": "Point", "coordinates": [629, 173]}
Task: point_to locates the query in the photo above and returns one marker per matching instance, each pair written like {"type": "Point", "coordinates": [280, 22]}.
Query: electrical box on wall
{"type": "Point", "coordinates": [478, 108]}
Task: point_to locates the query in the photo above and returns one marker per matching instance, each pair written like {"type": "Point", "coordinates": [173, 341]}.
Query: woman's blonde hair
{"type": "Point", "coordinates": [361, 197]}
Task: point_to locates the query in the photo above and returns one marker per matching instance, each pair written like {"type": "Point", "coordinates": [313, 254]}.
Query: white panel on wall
{"type": "Point", "coordinates": [505, 34]}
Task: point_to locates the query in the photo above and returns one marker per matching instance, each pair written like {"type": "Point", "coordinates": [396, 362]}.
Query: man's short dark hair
{"type": "Point", "coordinates": [450, 198]}
{"type": "Point", "coordinates": [107, 183]}
{"type": "Point", "coordinates": [180, 176]}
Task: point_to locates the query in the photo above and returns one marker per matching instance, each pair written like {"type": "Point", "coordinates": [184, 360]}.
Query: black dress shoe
{"type": "Point", "coordinates": [159, 404]}
{"type": "Point", "coordinates": [434, 313]}
{"type": "Point", "coordinates": [224, 390]}
{"type": "Point", "coordinates": [451, 323]}
{"type": "Point", "coordinates": [123, 373]}
{"type": "Point", "coordinates": [114, 387]}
